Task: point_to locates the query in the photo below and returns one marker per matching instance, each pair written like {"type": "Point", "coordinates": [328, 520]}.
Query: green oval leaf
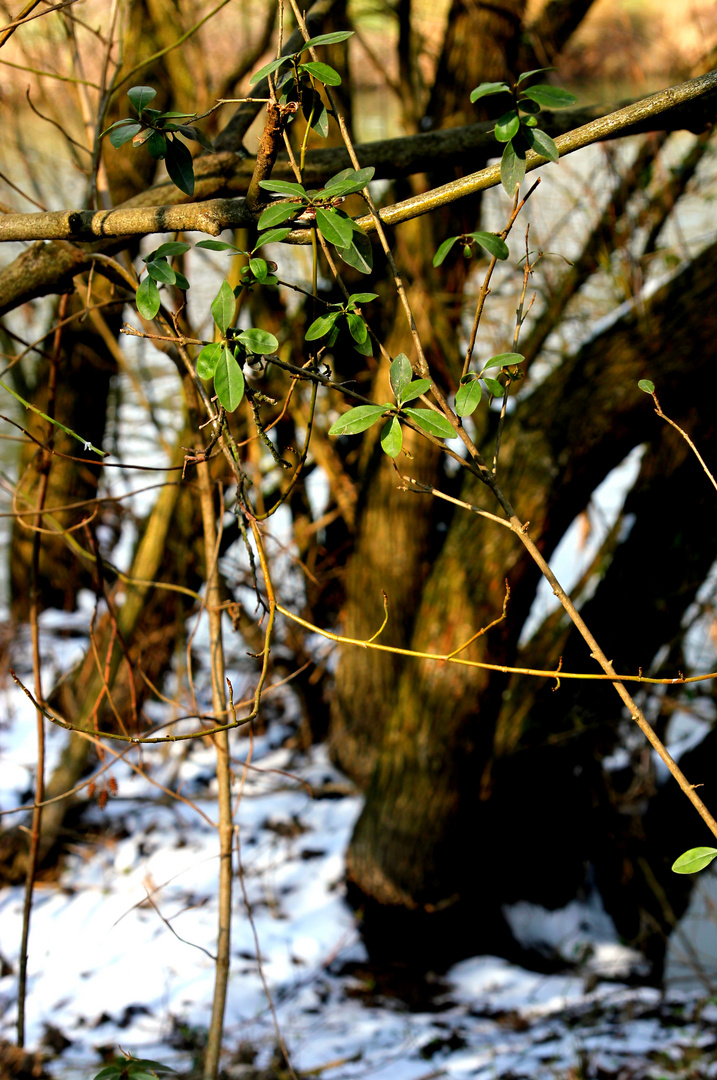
{"type": "Point", "coordinates": [362, 297]}
{"type": "Point", "coordinates": [272, 66]}
{"type": "Point", "coordinates": [156, 145]}
{"type": "Point", "coordinates": [541, 143]}
{"type": "Point", "coordinates": [180, 166]}
{"type": "Point", "coordinates": [358, 419]}
{"type": "Point", "coordinates": [487, 88]}
{"type": "Point", "coordinates": [196, 135]}
{"type": "Point", "coordinates": [283, 187]}
{"type": "Point", "coordinates": [334, 227]}
{"type": "Point", "coordinates": [504, 359]}
{"type": "Point", "coordinates": [492, 244]}
{"type": "Point", "coordinates": [260, 342]}
{"type": "Point", "coordinates": [324, 73]}
{"type": "Point", "coordinates": [647, 385]}
{"type": "Point", "coordinates": [223, 307]}
{"type": "Point", "coordinates": [512, 168]}
{"type": "Point", "coordinates": [321, 326]}
{"type": "Point", "coordinates": [535, 71]}
{"type": "Point", "coordinates": [228, 380]}
{"type": "Point", "coordinates": [443, 250]}
{"type": "Point", "coordinates": [120, 135]}
{"type": "Point", "coordinates": [147, 299]}
{"type": "Point", "coordinates": [414, 390]}
{"type": "Point", "coordinates": [273, 236]}
{"type": "Point", "coordinates": [357, 327]}
{"type": "Point", "coordinates": [169, 250]}
{"type": "Point", "coordinates": [507, 126]}
{"type": "Point", "coordinates": [391, 437]}
{"type": "Point", "coordinates": [468, 397]}
{"type": "Point", "coordinates": [208, 359]}
{"type": "Point", "coordinates": [550, 97]}
{"type": "Point", "coordinates": [433, 422]}
{"type": "Point", "coordinates": [359, 253]}
{"type": "Point", "coordinates": [694, 860]}
{"type": "Point", "coordinates": [259, 269]}
{"type": "Point", "coordinates": [219, 245]}
{"type": "Point", "coordinates": [329, 39]}
{"type": "Point", "coordinates": [160, 270]}
{"type": "Point", "coordinates": [275, 213]}
{"type": "Point", "coordinates": [400, 374]}
{"type": "Point", "coordinates": [494, 387]}
{"type": "Point", "coordinates": [140, 96]}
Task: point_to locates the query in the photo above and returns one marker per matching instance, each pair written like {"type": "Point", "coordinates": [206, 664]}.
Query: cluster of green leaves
{"type": "Point", "coordinates": [518, 127]}
{"type": "Point", "coordinates": [405, 388]}
{"type": "Point", "coordinates": [157, 132]}
{"type": "Point", "coordinates": [694, 860]}
{"type": "Point", "coordinates": [159, 272]}
{"type": "Point", "coordinates": [489, 241]}
{"type": "Point", "coordinates": [346, 315]}
{"type": "Point", "coordinates": [469, 393]}
{"type": "Point", "coordinates": [223, 360]}
{"type": "Point", "coordinates": [322, 206]}
{"type": "Point", "coordinates": [131, 1068]}
{"type": "Point", "coordinates": [298, 84]}
{"type": "Point", "coordinates": [257, 271]}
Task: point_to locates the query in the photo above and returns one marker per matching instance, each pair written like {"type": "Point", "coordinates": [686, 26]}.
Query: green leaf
{"type": "Point", "coordinates": [180, 281]}
{"type": "Point", "coordinates": [275, 213]}
{"type": "Point", "coordinates": [529, 121]}
{"type": "Point", "coordinates": [694, 860]}
{"type": "Point", "coordinates": [180, 166]}
{"type": "Point", "coordinates": [273, 236]}
{"type": "Point", "coordinates": [160, 270]}
{"type": "Point", "coordinates": [487, 88]}
{"type": "Point", "coordinates": [541, 143]}
{"type": "Point", "coordinates": [358, 419]}
{"type": "Point", "coordinates": [530, 107]}
{"type": "Point", "coordinates": [156, 146]}
{"type": "Point", "coordinates": [323, 72]}
{"type": "Point", "coordinates": [140, 96]}
{"type": "Point", "coordinates": [391, 437]}
{"type": "Point", "coordinates": [364, 347]}
{"type": "Point", "coordinates": [414, 390]}
{"type": "Point", "coordinates": [147, 299]}
{"type": "Point", "coordinates": [647, 385]}
{"type": "Point", "coordinates": [109, 1072]}
{"type": "Point", "coordinates": [494, 387]}
{"type": "Point", "coordinates": [443, 250]}
{"type": "Point", "coordinates": [535, 71]}
{"type": "Point", "coordinates": [550, 97]}
{"type": "Point", "coordinates": [357, 179]}
{"type": "Point", "coordinates": [139, 1073]}
{"type": "Point", "coordinates": [433, 422]}
{"type": "Point", "coordinates": [512, 168]}
{"type": "Point", "coordinates": [283, 187]}
{"type": "Point", "coordinates": [334, 227]}
{"type": "Point", "coordinates": [259, 269]}
{"type": "Point", "coordinates": [329, 39]}
{"type": "Point", "coordinates": [504, 359]}
{"type": "Point", "coordinates": [468, 397]}
{"type": "Point", "coordinates": [196, 135]}
{"type": "Point", "coordinates": [507, 126]}
{"type": "Point", "coordinates": [362, 297]}
{"type": "Point", "coordinates": [357, 327]}
{"type": "Point", "coordinates": [208, 359]}
{"type": "Point", "coordinates": [169, 250]}
{"type": "Point", "coordinates": [260, 342]}
{"type": "Point", "coordinates": [219, 245]}
{"type": "Point", "coordinates": [268, 69]}
{"type": "Point", "coordinates": [400, 374]}
{"type": "Point", "coordinates": [120, 135]}
{"type": "Point", "coordinates": [492, 244]}
{"type": "Point", "coordinates": [359, 254]}
{"type": "Point", "coordinates": [321, 326]}
{"type": "Point", "coordinates": [223, 307]}
{"type": "Point", "coordinates": [228, 380]}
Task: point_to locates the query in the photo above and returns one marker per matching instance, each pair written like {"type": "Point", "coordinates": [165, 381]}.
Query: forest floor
{"type": "Point", "coordinates": [121, 942]}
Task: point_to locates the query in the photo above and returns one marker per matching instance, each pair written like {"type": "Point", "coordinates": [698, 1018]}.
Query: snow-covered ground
{"type": "Point", "coordinates": [120, 947]}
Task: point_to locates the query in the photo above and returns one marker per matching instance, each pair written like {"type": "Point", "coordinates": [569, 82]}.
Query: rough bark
{"type": "Point", "coordinates": [427, 796]}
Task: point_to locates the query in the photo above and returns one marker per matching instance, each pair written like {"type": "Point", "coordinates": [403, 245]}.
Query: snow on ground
{"type": "Point", "coordinates": [120, 946]}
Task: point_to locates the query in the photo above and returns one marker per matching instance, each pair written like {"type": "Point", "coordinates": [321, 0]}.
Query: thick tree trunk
{"type": "Point", "coordinates": [424, 836]}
